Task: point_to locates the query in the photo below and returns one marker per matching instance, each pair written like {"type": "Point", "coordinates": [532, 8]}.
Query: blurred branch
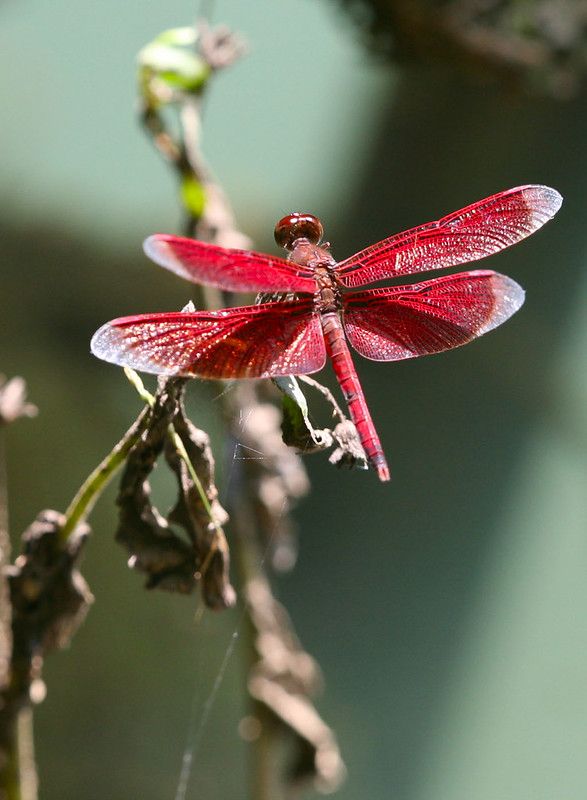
{"type": "Point", "coordinates": [13, 405]}
{"type": "Point", "coordinates": [537, 45]}
{"type": "Point", "coordinates": [49, 600]}
{"type": "Point", "coordinates": [282, 681]}
{"type": "Point", "coordinates": [43, 599]}
{"type": "Point", "coordinates": [202, 52]}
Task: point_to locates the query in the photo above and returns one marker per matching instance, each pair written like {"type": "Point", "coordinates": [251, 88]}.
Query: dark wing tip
{"type": "Point", "coordinates": [509, 297]}
{"type": "Point", "coordinates": [544, 200]}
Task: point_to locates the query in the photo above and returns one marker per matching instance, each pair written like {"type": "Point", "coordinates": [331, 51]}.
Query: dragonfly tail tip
{"type": "Point", "coordinates": [383, 473]}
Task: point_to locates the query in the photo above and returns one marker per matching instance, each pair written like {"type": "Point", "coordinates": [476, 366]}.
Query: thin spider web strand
{"type": "Point", "coordinates": [198, 721]}
{"type": "Point", "coordinates": [197, 726]}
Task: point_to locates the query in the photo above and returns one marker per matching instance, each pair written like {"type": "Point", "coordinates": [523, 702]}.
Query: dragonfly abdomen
{"type": "Point", "coordinates": [347, 377]}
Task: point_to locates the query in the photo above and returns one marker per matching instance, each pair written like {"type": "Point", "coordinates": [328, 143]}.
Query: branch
{"type": "Point", "coordinates": [18, 776]}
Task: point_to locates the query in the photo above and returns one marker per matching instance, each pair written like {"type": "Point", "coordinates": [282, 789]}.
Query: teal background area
{"type": "Point", "coordinates": [447, 608]}
{"type": "Point", "coordinates": [279, 126]}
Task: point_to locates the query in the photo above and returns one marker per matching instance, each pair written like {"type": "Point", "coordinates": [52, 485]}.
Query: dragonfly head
{"type": "Point", "coordinates": [290, 229]}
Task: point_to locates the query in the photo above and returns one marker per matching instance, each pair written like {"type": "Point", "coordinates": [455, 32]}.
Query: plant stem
{"type": "Point", "coordinates": [10, 774]}
{"type": "Point", "coordinates": [96, 482]}
{"type": "Point", "coordinates": [265, 779]}
{"type": "Point", "coordinates": [10, 767]}
{"type": "Point", "coordinates": [18, 776]}
{"type": "Point", "coordinates": [5, 604]}
{"type": "Point", "coordinates": [26, 754]}
{"type": "Point", "coordinates": [216, 224]}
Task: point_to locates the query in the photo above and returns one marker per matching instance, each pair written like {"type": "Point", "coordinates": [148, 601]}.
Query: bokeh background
{"type": "Point", "coordinates": [447, 609]}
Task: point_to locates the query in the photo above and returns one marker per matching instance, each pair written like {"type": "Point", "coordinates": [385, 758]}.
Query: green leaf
{"type": "Point", "coordinates": [296, 426]}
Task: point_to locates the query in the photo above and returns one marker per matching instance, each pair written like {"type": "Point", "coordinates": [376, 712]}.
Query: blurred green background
{"type": "Point", "coordinates": [447, 608]}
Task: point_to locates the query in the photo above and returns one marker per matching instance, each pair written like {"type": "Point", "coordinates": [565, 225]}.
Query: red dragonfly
{"type": "Point", "coordinates": [294, 336]}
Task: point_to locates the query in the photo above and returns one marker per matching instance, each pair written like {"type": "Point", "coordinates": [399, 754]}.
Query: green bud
{"type": "Point", "coordinates": [193, 196]}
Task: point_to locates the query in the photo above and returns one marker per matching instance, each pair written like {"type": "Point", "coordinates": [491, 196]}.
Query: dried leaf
{"type": "Point", "coordinates": [49, 600]}
{"type": "Point", "coordinates": [171, 562]}
{"type": "Point", "coordinates": [191, 513]}
{"type": "Point", "coordinates": [49, 596]}
{"type": "Point", "coordinates": [350, 452]}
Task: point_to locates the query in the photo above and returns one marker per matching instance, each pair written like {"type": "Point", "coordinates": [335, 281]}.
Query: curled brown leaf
{"type": "Point", "coordinates": [172, 562]}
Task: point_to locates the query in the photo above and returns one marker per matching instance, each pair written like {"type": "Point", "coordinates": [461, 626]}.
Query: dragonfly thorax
{"type": "Point", "coordinates": [328, 294]}
{"type": "Point", "coordinates": [307, 254]}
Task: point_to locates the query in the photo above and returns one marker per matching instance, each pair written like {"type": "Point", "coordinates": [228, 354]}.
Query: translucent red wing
{"type": "Point", "coordinates": [408, 321]}
{"type": "Point", "coordinates": [234, 270]}
{"type": "Point", "coordinates": [474, 232]}
{"type": "Point", "coordinates": [248, 342]}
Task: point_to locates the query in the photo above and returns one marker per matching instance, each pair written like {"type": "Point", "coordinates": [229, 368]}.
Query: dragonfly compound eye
{"type": "Point", "coordinates": [298, 226]}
